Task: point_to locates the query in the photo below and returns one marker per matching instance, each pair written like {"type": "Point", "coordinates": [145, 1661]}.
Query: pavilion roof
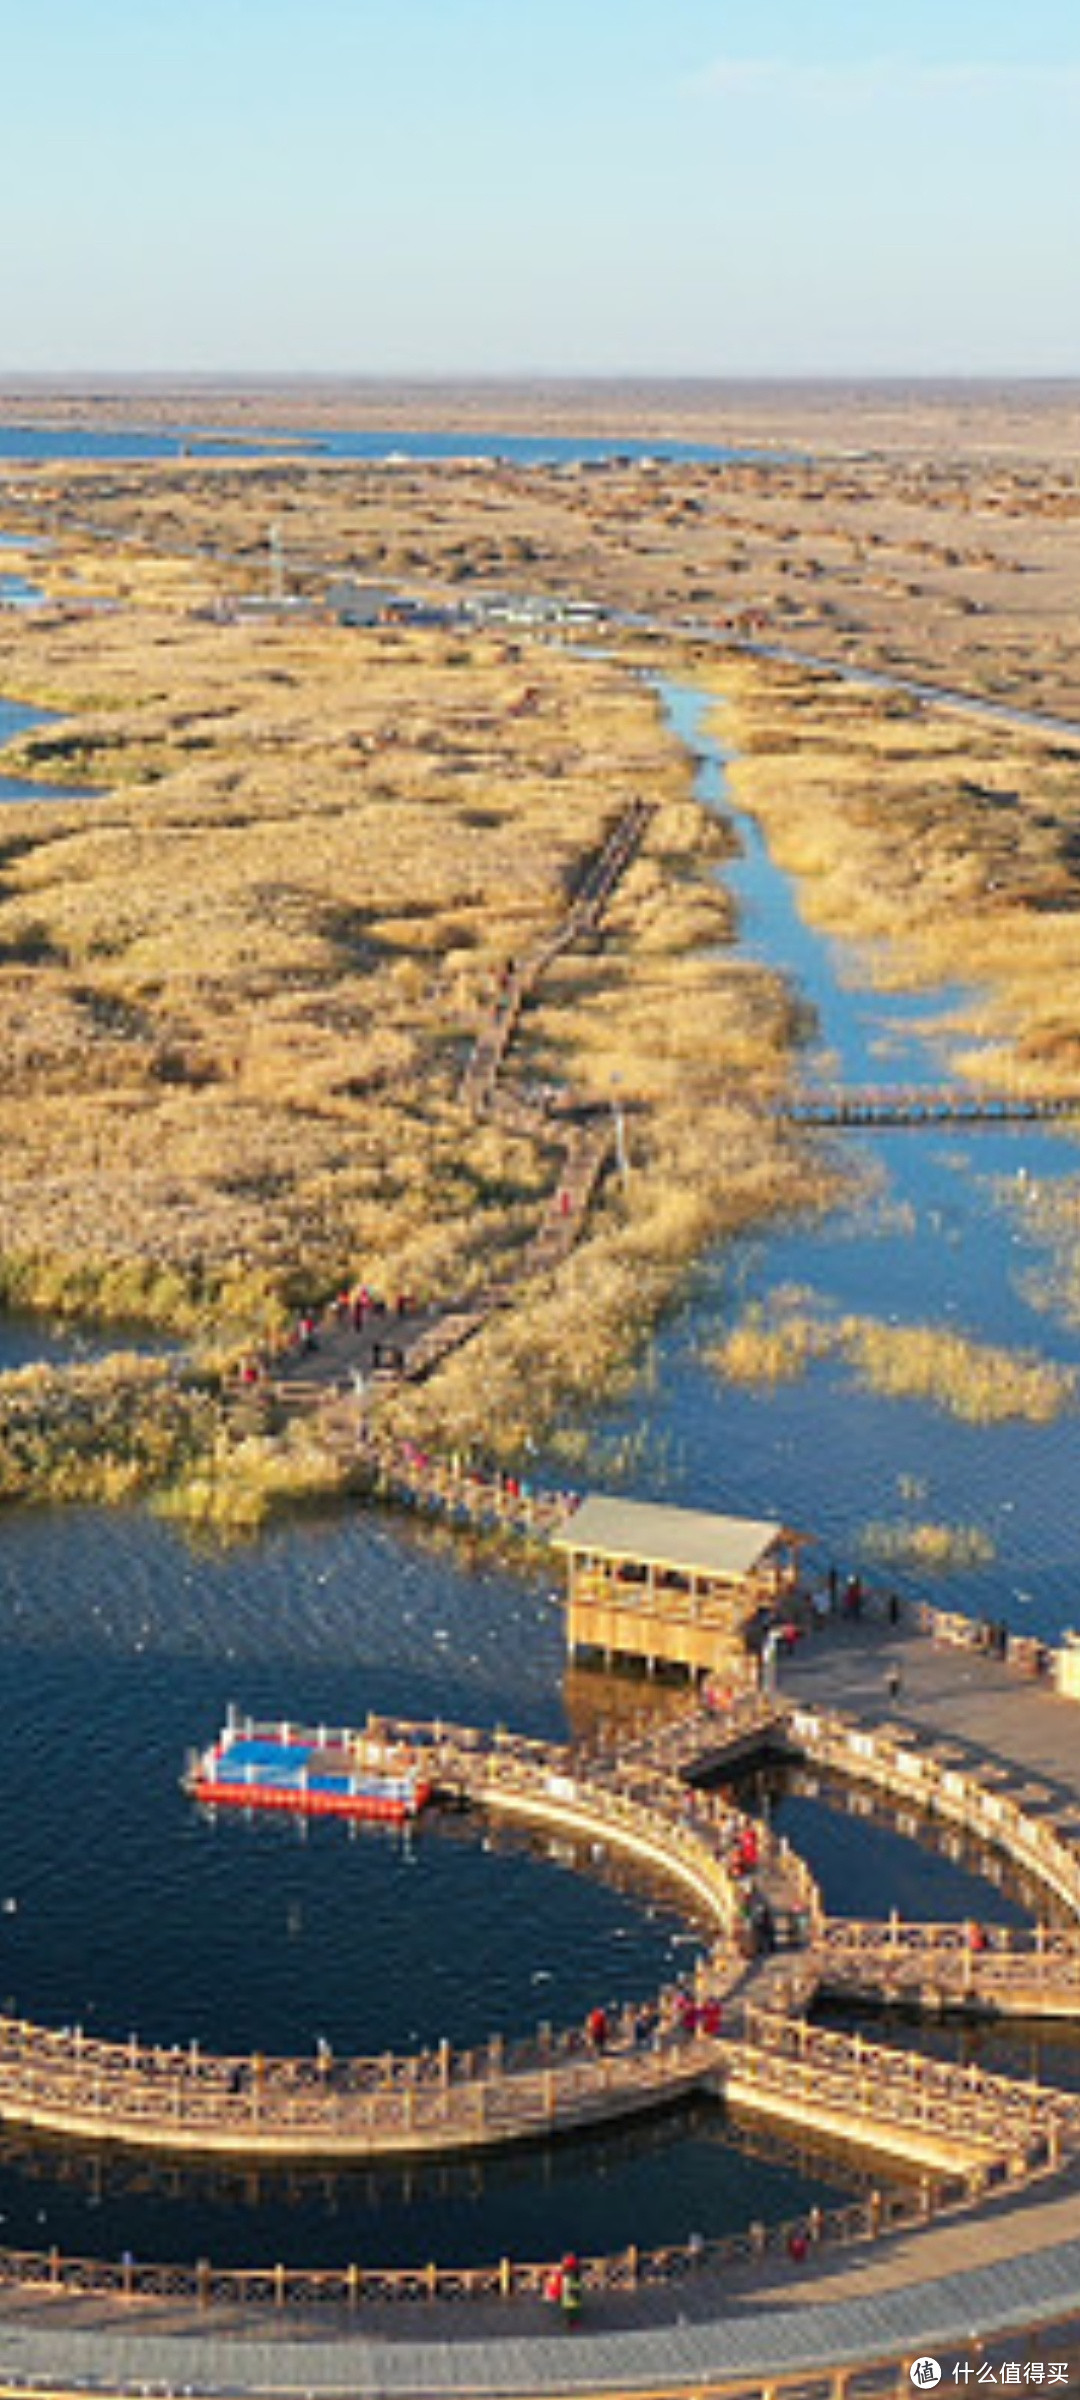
{"type": "Point", "coordinates": [691, 1541]}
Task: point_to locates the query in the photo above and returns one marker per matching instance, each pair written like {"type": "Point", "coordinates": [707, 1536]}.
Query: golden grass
{"type": "Point", "coordinates": [933, 1546]}
{"type": "Point", "coordinates": [237, 989]}
{"type": "Point", "coordinates": [100, 1432]}
{"type": "Point", "coordinates": [944, 850]}
{"type": "Point", "coordinates": [979, 1382]}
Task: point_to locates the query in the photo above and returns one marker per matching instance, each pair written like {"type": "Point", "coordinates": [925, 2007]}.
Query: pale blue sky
{"type": "Point", "coordinates": [562, 186]}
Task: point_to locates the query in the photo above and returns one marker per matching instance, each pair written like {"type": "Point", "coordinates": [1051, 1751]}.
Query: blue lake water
{"type": "Point", "coordinates": [936, 1231]}
{"type": "Point", "coordinates": [16, 719]}
{"type": "Point", "coordinates": [121, 1645]}
{"type": "Point", "coordinates": [46, 442]}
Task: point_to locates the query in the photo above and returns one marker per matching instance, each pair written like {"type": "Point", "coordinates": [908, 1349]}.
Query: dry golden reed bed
{"type": "Point", "coordinates": [238, 984]}
{"type": "Point", "coordinates": [944, 849]}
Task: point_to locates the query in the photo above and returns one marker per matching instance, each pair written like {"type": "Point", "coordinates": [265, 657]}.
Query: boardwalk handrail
{"type": "Point", "coordinates": [1028, 1971]}
{"type": "Point", "coordinates": [906, 2087]}
{"type": "Point", "coordinates": [349, 2288]}
{"type": "Point", "coordinates": [177, 2097]}
{"type": "Point", "coordinates": [956, 1793]}
{"type": "Point", "coordinates": [918, 1105]}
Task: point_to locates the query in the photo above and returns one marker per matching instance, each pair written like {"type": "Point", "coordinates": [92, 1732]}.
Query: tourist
{"type": "Point", "coordinates": [570, 2290]}
{"type": "Point", "coordinates": [596, 2028]}
{"type": "Point", "coordinates": [894, 1681]}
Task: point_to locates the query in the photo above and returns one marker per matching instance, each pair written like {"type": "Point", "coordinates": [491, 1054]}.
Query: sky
{"type": "Point", "coordinates": [526, 187]}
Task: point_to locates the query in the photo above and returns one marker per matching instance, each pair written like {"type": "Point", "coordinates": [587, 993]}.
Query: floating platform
{"type": "Point", "coordinates": [310, 1774]}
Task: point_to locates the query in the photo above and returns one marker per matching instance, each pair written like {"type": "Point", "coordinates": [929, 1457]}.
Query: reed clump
{"type": "Point", "coordinates": [931, 1546]}
{"type": "Point", "coordinates": [104, 1431]}
{"type": "Point", "coordinates": [232, 1486]}
{"type": "Point", "coordinates": [980, 1382]}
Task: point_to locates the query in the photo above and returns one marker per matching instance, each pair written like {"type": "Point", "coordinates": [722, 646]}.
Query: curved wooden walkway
{"type": "Point", "coordinates": [1009, 2264]}
{"type": "Point", "coordinates": [177, 2100]}
{"type": "Point", "coordinates": [740, 2030]}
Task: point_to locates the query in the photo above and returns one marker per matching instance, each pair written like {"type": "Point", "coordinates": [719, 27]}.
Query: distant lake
{"type": "Point", "coordinates": [30, 442]}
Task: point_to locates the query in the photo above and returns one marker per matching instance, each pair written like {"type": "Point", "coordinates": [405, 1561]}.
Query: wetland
{"type": "Point", "coordinates": [238, 985]}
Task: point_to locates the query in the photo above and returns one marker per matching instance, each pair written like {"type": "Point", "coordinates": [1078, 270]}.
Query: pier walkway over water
{"type": "Point", "coordinates": [739, 2030]}
{"type": "Point", "coordinates": [923, 1105]}
{"type": "Point", "coordinates": [697, 2320]}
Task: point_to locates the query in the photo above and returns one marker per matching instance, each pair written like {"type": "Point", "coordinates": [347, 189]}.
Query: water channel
{"type": "Point", "coordinates": [123, 1909]}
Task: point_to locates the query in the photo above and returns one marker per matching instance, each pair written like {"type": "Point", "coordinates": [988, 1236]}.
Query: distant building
{"type": "Point", "coordinates": [355, 603]}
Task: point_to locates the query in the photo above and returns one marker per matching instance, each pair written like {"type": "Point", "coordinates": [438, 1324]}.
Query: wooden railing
{"type": "Point", "coordinates": [443, 2099]}
{"type": "Point", "coordinates": [958, 1794]}
{"type": "Point", "coordinates": [1031, 1971]}
{"type": "Point", "coordinates": [349, 2288]}
{"type": "Point", "coordinates": [920, 1105]}
{"type": "Point", "coordinates": [1028, 2123]}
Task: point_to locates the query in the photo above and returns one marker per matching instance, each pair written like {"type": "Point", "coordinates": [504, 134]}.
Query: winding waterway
{"type": "Point", "coordinates": [123, 1909]}
{"type": "Point", "coordinates": [938, 1231]}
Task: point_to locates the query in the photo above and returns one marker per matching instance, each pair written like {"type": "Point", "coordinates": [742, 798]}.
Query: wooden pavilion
{"type": "Point", "coordinates": [672, 1586]}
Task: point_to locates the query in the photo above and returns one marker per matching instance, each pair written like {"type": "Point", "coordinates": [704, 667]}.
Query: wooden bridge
{"type": "Point", "coordinates": [927, 2110]}
{"type": "Point", "coordinates": [983, 1969]}
{"type": "Point", "coordinates": [923, 1106]}
{"type": "Point", "coordinates": [736, 2029]}
{"type": "Point", "coordinates": [183, 2099]}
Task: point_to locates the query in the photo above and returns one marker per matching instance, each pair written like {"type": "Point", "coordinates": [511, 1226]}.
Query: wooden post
{"type": "Point", "coordinates": [506, 2278]}
{"type": "Point", "coordinates": [202, 2283]}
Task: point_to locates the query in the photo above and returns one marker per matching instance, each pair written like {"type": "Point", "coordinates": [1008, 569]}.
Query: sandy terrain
{"type": "Point", "coordinates": [930, 529]}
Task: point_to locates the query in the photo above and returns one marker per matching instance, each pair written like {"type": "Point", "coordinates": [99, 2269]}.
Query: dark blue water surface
{"type": "Point", "coordinates": [123, 1908]}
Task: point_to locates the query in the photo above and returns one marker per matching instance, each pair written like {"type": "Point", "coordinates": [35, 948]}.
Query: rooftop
{"type": "Point", "coordinates": [689, 1540]}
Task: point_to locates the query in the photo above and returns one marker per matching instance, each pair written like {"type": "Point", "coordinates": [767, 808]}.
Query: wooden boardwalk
{"type": "Point", "coordinates": [344, 1353]}
{"type": "Point", "coordinates": [179, 2100]}
{"type": "Point", "coordinates": [922, 1106]}
{"type": "Point", "coordinates": [972, 2137]}
{"type": "Point", "coordinates": [983, 1969]}
{"type": "Point", "coordinates": [739, 2029]}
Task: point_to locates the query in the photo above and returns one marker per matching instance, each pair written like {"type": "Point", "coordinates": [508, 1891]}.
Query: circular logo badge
{"type": "Point", "coordinates": [924, 2373]}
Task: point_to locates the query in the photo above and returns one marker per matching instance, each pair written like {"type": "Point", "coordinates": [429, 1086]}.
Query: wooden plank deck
{"type": "Point", "coordinates": [923, 1107]}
